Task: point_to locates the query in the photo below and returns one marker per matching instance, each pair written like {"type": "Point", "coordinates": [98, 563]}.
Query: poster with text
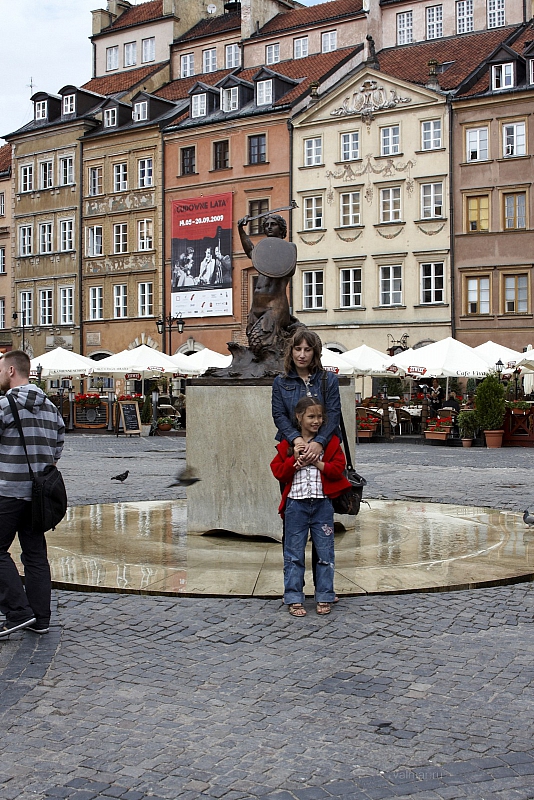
{"type": "Point", "coordinates": [201, 261]}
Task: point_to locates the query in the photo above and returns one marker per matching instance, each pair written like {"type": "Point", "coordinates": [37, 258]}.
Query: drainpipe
{"type": "Point", "coordinates": [162, 226]}
{"type": "Point", "coordinates": [80, 247]}
{"type": "Point", "coordinates": [290, 227]}
{"type": "Point", "coordinates": [451, 222]}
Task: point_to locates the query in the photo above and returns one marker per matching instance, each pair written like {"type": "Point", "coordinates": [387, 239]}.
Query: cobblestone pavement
{"type": "Point", "coordinates": [416, 696]}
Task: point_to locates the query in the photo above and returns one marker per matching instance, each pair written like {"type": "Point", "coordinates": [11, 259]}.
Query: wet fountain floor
{"type": "Point", "coordinates": [394, 547]}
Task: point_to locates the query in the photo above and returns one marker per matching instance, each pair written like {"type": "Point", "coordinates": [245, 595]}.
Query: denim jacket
{"type": "Point", "coordinates": [287, 391]}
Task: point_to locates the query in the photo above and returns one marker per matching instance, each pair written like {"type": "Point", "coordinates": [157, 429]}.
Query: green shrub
{"type": "Point", "coordinates": [489, 403]}
{"type": "Point", "coordinates": [468, 424]}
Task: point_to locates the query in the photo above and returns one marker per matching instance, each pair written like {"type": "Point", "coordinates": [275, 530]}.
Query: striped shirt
{"type": "Point", "coordinates": [44, 433]}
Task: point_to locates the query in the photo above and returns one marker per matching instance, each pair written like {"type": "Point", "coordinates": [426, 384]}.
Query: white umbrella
{"type": "Point", "coordinates": [493, 352]}
{"type": "Point", "coordinates": [62, 362]}
{"type": "Point", "coordinates": [334, 361]}
{"type": "Point", "coordinates": [528, 379]}
{"type": "Point", "coordinates": [139, 359]}
{"type": "Point", "coordinates": [204, 359]}
{"type": "Point", "coordinates": [367, 361]}
{"type": "Point", "coordinates": [447, 358]}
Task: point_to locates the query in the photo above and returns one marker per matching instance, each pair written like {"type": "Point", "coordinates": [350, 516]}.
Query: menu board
{"type": "Point", "coordinates": [130, 420]}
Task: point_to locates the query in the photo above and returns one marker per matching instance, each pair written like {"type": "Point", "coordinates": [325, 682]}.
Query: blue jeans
{"type": "Point", "coordinates": [313, 515]}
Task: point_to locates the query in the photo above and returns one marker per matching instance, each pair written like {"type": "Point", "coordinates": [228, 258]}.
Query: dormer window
{"type": "Point", "coordinates": [110, 118]}
{"type": "Point", "coordinates": [264, 93]}
{"type": "Point", "coordinates": [140, 111]}
{"type": "Point", "coordinates": [209, 60]}
{"type": "Point", "coordinates": [328, 41]}
{"type": "Point", "coordinates": [148, 49]}
{"type": "Point", "coordinates": [69, 103]}
{"type": "Point", "coordinates": [230, 99]}
{"type": "Point", "coordinates": [41, 109]}
{"type": "Point", "coordinates": [198, 105]}
{"type": "Point", "coordinates": [502, 76]}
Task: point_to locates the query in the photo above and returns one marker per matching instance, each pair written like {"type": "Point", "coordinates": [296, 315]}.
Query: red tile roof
{"type": "Point", "coordinates": [300, 17]}
{"type": "Point", "coordinates": [122, 81]}
{"type": "Point", "coordinates": [212, 26]}
{"type": "Point", "coordinates": [178, 90]}
{"type": "Point", "coordinates": [5, 157]}
{"type": "Point", "coordinates": [137, 15]}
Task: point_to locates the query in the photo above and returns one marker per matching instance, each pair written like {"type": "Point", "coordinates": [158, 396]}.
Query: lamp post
{"type": "Point", "coordinates": [499, 366]}
{"type": "Point", "coordinates": [516, 374]}
{"type": "Point", "coordinates": [165, 324]}
{"type": "Point", "coordinates": [39, 371]}
{"type": "Point", "coordinates": [23, 318]}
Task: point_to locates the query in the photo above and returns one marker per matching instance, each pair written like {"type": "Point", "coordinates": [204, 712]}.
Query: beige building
{"type": "Point", "coordinates": [5, 248]}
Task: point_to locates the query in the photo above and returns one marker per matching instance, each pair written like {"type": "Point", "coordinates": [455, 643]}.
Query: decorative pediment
{"type": "Point", "coordinates": [368, 99]}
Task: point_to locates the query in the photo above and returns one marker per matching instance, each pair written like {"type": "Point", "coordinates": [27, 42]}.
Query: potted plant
{"type": "Point", "coordinates": [146, 416]}
{"type": "Point", "coordinates": [490, 408]}
{"type": "Point", "coordinates": [518, 406]}
{"type": "Point", "coordinates": [165, 423]}
{"type": "Point", "coordinates": [468, 426]}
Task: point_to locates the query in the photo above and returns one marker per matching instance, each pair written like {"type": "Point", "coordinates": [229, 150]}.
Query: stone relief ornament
{"type": "Point", "coordinates": [349, 174]}
{"type": "Point", "coordinates": [369, 98]}
{"type": "Point", "coordinates": [309, 241]}
{"type": "Point", "coordinates": [431, 233]}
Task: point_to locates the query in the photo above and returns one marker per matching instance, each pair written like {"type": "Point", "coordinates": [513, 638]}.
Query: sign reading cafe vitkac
{"type": "Point", "coordinates": [201, 262]}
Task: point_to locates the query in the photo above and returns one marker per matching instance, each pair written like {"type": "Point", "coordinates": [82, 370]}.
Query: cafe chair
{"type": "Point", "coordinates": [404, 420]}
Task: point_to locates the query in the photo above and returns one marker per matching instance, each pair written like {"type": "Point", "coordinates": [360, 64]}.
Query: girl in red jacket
{"type": "Point", "coordinates": [306, 507]}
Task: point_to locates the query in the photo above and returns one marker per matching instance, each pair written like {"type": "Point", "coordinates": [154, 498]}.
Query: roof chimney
{"type": "Point", "coordinates": [433, 82]}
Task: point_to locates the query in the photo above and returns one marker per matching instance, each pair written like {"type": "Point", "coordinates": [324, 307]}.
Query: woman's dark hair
{"type": "Point", "coordinates": [312, 340]}
{"type": "Point", "coordinates": [307, 402]}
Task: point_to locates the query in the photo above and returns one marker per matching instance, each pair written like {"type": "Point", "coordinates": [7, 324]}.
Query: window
{"type": "Point", "coordinates": [140, 111]}
{"type": "Point", "coordinates": [329, 41]}
{"type": "Point", "coordinates": [515, 294]}
{"type": "Point", "coordinates": [432, 283]}
{"type": "Point", "coordinates": [390, 204]}
{"type": "Point", "coordinates": [110, 117]}
{"type": "Point", "coordinates": [45, 307]}
{"type": "Point", "coordinates": [144, 300]}
{"type": "Point", "coordinates": [41, 109]}
{"type": "Point", "coordinates": [300, 47]}
{"type": "Point", "coordinates": [2, 204]}
{"type": "Point", "coordinates": [46, 175]}
{"type": "Point", "coordinates": [350, 146]}
{"type": "Point", "coordinates": [66, 305]}
{"type": "Point", "coordinates": [69, 103]}
{"type": "Point", "coordinates": [391, 285]}
{"type": "Point", "coordinates": [434, 22]}
{"type": "Point", "coordinates": [144, 234]}
{"type": "Point", "coordinates": [120, 298]}
{"type": "Point", "coordinates": [187, 155]}
{"type": "Point", "coordinates": [120, 237]}
{"type": "Point", "coordinates": [272, 53]}
{"type": "Point", "coordinates": [2, 313]}
{"type": "Point", "coordinates": [144, 172]}
{"type": "Point", "coordinates": [96, 302]}
{"type": "Point", "coordinates": [350, 209]}
{"type": "Point", "coordinates": [25, 240]}
{"type": "Point", "coordinates": [230, 99]}
{"type": "Point", "coordinates": [198, 105]}
{"type": "Point", "coordinates": [66, 235]}
{"type": "Point", "coordinates": [431, 200]}
{"type": "Point", "coordinates": [496, 17]}
{"type": "Point", "coordinates": [531, 69]}
{"type": "Point", "coordinates": [313, 289]}
{"type": "Point", "coordinates": [112, 58]}
{"type": "Point", "coordinates": [513, 139]}
{"type": "Point", "coordinates": [94, 240]}
{"type": "Point", "coordinates": [264, 92]}
{"type": "Point", "coordinates": [2, 260]}
{"type": "Point", "coordinates": [502, 76]}
{"type": "Point", "coordinates": [478, 213]}
{"type": "Point", "coordinates": [390, 140]}
{"type": "Point", "coordinates": [209, 60]}
{"type": "Point", "coordinates": [404, 28]}
{"type": "Point", "coordinates": [313, 212]}
{"type": "Point", "coordinates": [431, 134]}
{"type": "Point", "coordinates": [313, 151]}
{"type": "Point", "coordinates": [26, 178]}
{"type": "Point", "coordinates": [26, 307]}
{"type": "Point", "coordinates": [464, 16]}
{"type": "Point", "coordinates": [476, 144]}
{"type": "Point", "coordinates": [66, 171]}
{"type": "Point", "coordinates": [148, 48]}
{"type": "Point", "coordinates": [256, 207]}
{"type": "Point", "coordinates": [350, 287]}
{"type": "Point", "coordinates": [257, 149]}
{"type": "Point", "coordinates": [45, 237]}
{"type": "Point", "coordinates": [95, 180]}
{"type": "Point", "coordinates": [233, 56]}
{"type": "Point", "coordinates": [515, 206]}
{"type": "Point", "coordinates": [187, 65]}
{"type": "Point", "coordinates": [478, 296]}
{"type": "Point", "coordinates": [130, 54]}
{"type": "Point", "coordinates": [120, 177]}
{"type": "Point", "coordinates": [221, 155]}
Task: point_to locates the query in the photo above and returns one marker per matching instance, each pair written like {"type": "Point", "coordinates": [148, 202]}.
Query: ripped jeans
{"type": "Point", "coordinates": [313, 515]}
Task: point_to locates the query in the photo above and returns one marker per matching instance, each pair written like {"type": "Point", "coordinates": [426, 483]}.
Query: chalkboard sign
{"type": "Point", "coordinates": [129, 417]}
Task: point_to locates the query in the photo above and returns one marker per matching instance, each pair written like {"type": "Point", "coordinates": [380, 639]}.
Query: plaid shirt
{"type": "Point", "coordinates": [307, 483]}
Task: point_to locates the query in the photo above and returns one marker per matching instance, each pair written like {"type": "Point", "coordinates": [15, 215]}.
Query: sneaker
{"type": "Point", "coordinates": [11, 627]}
{"type": "Point", "coordinates": [38, 628]}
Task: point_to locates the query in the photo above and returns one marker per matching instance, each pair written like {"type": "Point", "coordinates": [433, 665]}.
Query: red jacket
{"type": "Point", "coordinates": [332, 477]}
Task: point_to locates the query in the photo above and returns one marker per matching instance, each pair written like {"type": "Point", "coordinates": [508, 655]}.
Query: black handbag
{"type": "Point", "coordinates": [49, 496]}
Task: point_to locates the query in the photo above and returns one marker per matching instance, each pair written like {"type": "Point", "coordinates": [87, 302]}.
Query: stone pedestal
{"type": "Point", "coordinates": [230, 444]}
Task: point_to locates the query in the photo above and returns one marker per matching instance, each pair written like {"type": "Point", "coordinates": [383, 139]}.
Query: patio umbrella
{"type": "Point", "coordinates": [142, 359]}
{"type": "Point", "coordinates": [493, 352]}
{"type": "Point", "coordinates": [202, 360]}
{"type": "Point", "coordinates": [367, 361]}
{"type": "Point", "coordinates": [447, 358]}
{"type": "Point", "coordinates": [335, 361]}
{"type": "Point", "coordinates": [528, 379]}
{"type": "Point", "coordinates": [62, 362]}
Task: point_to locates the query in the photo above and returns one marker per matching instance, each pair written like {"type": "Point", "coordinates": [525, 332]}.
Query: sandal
{"type": "Point", "coordinates": [297, 610]}
{"type": "Point", "coordinates": [323, 608]}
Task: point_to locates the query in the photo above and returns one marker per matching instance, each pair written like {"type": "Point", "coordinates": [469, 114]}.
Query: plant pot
{"type": "Point", "coordinates": [493, 438]}
{"type": "Point", "coordinates": [365, 434]}
{"type": "Point", "coordinates": [166, 426]}
{"type": "Point", "coordinates": [467, 442]}
{"type": "Point", "coordinates": [440, 436]}
{"type": "Point", "coordinates": [518, 411]}
{"type": "Point", "coordinates": [145, 429]}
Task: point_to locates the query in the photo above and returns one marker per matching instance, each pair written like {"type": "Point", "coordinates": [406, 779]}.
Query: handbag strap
{"type": "Point", "coordinates": [341, 425]}
{"type": "Point", "coordinates": [16, 417]}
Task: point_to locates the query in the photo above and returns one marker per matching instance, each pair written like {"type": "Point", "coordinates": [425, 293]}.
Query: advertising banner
{"type": "Point", "coordinates": [201, 261]}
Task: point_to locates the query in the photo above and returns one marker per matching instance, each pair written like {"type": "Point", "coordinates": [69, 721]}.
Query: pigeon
{"type": "Point", "coordinates": [528, 519]}
{"type": "Point", "coordinates": [122, 477]}
{"type": "Point", "coordinates": [185, 478]}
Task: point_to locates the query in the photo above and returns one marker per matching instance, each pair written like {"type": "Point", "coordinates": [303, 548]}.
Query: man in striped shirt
{"type": "Point", "coordinates": [44, 432]}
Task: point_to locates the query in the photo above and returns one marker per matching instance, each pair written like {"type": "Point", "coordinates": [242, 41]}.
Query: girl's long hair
{"type": "Point", "coordinates": [312, 340]}
{"type": "Point", "coordinates": [307, 402]}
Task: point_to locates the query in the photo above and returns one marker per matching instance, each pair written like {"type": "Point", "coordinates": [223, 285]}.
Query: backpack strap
{"type": "Point", "coordinates": [341, 425]}
{"type": "Point", "coordinates": [14, 411]}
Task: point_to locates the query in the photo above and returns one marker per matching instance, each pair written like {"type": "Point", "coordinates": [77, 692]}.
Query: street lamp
{"type": "Point", "coordinates": [164, 324]}
{"type": "Point", "coordinates": [499, 366]}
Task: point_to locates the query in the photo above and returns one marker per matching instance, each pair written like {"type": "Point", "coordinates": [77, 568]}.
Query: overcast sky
{"type": "Point", "coordinates": [44, 43]}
